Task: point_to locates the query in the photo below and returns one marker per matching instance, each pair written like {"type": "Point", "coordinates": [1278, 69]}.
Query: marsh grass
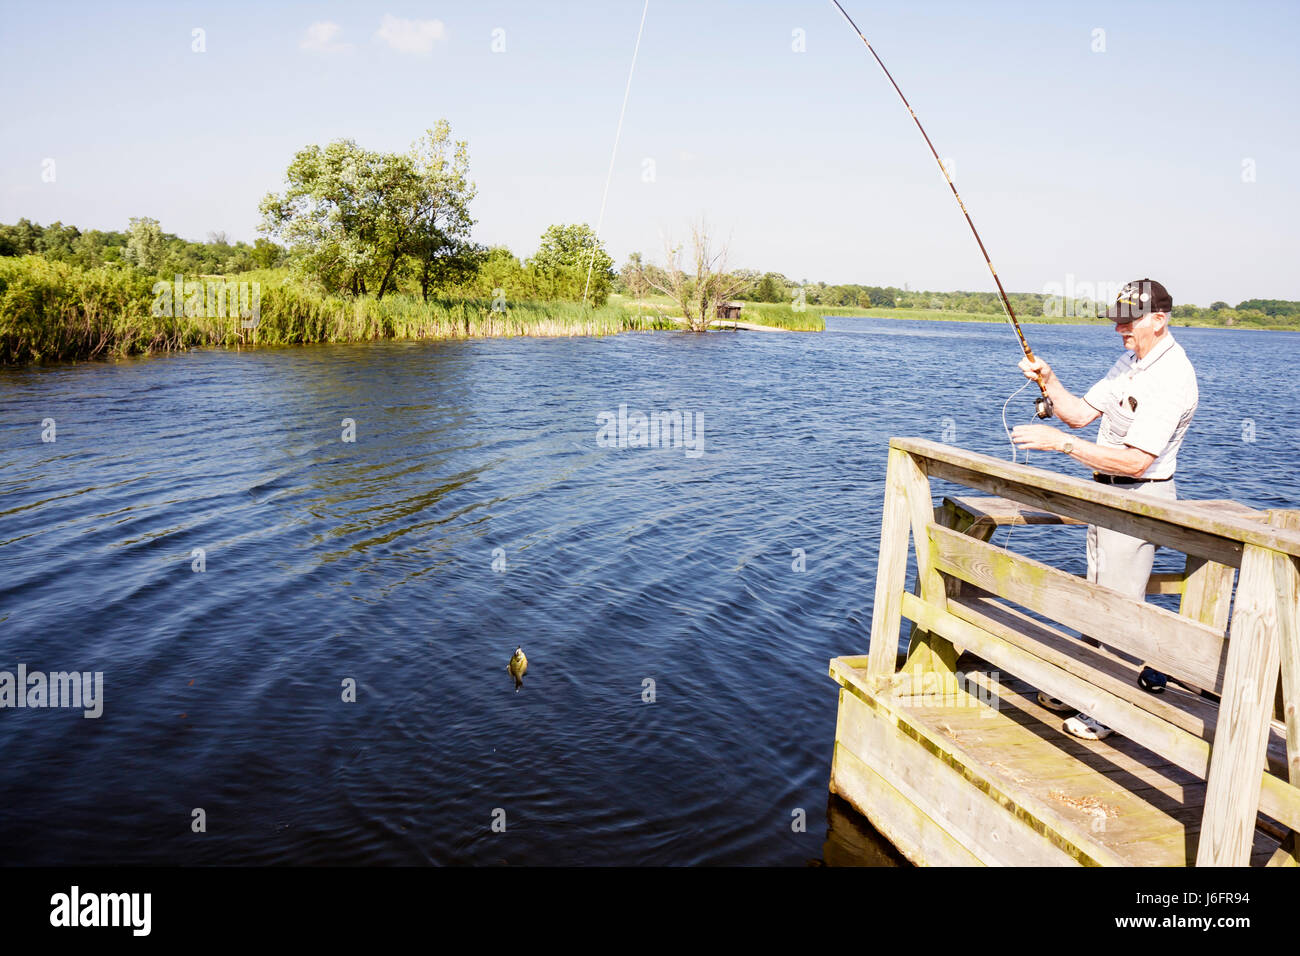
{"type": "Point", "coordinates": [783, 316]}
{"type": "Point", "coordinates": [51, 311]}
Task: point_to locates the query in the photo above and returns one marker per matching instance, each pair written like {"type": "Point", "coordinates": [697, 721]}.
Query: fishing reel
{"type": "Point", "coordinates": [1043, 406]}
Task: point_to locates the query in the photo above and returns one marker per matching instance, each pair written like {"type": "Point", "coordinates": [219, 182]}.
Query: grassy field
{"type": "Point", "coordinates": [779, 315]}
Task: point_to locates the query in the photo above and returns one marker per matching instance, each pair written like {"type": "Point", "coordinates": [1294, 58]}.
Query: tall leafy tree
{"type": "Point", "coordinates": [440, 243]}
{"type": "Point", "coordinates": [328, 215]}
{"type": "Point", "coordinates": [356, 219]}
{"type": "Point", "coordinates": [563, 259]}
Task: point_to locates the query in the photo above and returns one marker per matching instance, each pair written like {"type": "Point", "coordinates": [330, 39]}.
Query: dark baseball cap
{"type": "Point", "coordinates": [1140, 297]}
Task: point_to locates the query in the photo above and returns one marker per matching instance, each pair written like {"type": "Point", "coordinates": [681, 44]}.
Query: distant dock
{"type": "Point", "coordinates": [946, 750]}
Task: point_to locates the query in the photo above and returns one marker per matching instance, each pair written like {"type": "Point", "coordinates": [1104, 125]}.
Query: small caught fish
{"type": "Point", "coordinates": [518, 667]}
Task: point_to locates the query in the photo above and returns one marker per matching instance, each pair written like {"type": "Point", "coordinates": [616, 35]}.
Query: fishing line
{"type": "Point", "coordinates": [614, 154]}
{"type": "Point", "coordinates": [1007, 543]}
{"type": "Point", "coordinates": [1004, 422]}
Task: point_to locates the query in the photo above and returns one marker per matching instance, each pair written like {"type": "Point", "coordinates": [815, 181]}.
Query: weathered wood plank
{"type": "Point", "coordinates": [1287, 587]}
{"type": "Point", "coordinates": [1286, 854]}
{"type": "Point", "coordinates": [928, 653]}
{"type": "Point", "coordinates": [1288, 606]}
{"type": "Point", "coordinates": [1166, 819]}
{"type": "Point", "coordinates": [991, 830]}
{"type": "Point", "coordinates": [1093, 664]}
{"type": "Point", "coordinates": [921, 840]}
{"type": "Point", "coordinates": [920, 506]}
{"type": "Point", "coordinates": [1207, 594]}
{"type": "Point", "coordinates": [891, 570]}
{"type": "Point", "coordinates": [1278, 799]}
{"type": "Point", "coordinates": [1074, 502]}
{"type": "Point", "coordinates": [1149, 518]}
{"type": "Point", "coordinates": [1226, 506]}
{"type": "Point", "coordinates": [1232, 793]}
{"type": "Point", "coordinates": [1167, 641]}
{"type": "Point", "coordinates": [1163, 582]}
{"type": "Point", "coordinates": [1199, 714]}
{"type": "Point", "coordinates": [1003, 511]}
{"type": "Point", "coordinates": [852, 840]}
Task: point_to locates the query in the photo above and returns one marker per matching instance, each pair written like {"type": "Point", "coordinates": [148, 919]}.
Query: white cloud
{"type": "Point", "coordinates": [319, 38]}
{"type": "Point", "coordinates": [410, 36]}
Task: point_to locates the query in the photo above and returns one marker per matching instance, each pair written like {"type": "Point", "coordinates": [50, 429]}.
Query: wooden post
{"type": "Point", "coordinates": [1207, 592]}
{"type": "Point", "coordinates": [1288, 702]}
{"type": "Point", "coordinates": [927, 652]}
{"type": "Point", "coordinates": [891, 569]}
{"type": "Point", "coordinates": [1232, 784]}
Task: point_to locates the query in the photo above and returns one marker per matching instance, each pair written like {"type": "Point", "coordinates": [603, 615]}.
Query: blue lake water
{"type": "Point", "coordinates": [476, 511]}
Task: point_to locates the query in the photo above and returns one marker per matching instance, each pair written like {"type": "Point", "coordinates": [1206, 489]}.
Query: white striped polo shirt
{"type": "Point", "coordinates": [1147, 404]}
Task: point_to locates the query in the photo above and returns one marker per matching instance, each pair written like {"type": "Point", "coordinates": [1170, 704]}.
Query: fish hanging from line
{"type": "Point", "coordinates": [518, 667]}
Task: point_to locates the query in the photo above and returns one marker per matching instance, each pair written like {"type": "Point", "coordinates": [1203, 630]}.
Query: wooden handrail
{"type": "Point", "coordinates": [1080, 498]}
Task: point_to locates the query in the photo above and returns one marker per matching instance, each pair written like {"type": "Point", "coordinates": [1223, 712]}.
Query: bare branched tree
{"type": "Point", "coordinates": [700, 291]}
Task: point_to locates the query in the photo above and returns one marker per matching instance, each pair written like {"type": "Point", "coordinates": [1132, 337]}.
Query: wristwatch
{"type": "Point", "coordinates": [1068, 447]}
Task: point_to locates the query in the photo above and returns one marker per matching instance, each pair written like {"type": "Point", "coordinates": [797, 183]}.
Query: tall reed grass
{"type": "Point", "coordinates": [783, 315]}
{"type": "Point", "coordinates": [52, 311]}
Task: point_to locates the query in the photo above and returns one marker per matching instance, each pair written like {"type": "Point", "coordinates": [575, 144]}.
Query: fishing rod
{"type": "Point", "coordinates": [1043, 406]}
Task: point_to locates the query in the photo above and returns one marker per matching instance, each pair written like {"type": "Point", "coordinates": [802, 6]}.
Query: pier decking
{"type": "Point", "coordinates": [951, 757]}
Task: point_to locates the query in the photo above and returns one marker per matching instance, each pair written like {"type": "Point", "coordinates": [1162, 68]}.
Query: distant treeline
{"type": "Point", "coordinates": [153, 250]}
{"type": "Point", "coordinates": [774, 287]}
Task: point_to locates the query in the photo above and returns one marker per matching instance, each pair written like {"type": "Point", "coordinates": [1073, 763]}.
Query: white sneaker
{"type": "Point", "coordinates": [1053, 703]}
{"type": "Point", "coordinates": [1081, 725]}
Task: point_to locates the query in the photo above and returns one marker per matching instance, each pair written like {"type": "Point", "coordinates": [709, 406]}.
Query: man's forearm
{"type": "Point", "coordinates": [1112, 461]}
{"type": "Point", "coordinates": [1071, 409]}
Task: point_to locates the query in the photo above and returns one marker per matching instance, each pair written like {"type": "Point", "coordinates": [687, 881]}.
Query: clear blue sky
{"type": "Point", "coordinates": [1105, 166]}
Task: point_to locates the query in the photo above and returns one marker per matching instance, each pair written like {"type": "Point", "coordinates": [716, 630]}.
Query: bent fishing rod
{"type": "Point", "coordinates": [1043, 406]}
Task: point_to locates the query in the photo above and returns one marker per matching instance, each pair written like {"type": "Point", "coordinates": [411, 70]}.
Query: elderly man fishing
{"type": "Point", "coordinates": [1146, 402]}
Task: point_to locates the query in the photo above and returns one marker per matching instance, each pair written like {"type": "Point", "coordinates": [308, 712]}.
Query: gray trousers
{"type": "Point", "coordinates": [1121, 562]}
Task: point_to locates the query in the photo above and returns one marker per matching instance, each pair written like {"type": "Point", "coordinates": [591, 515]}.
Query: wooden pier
{"type": "Point", "coordinates": [946, 750]}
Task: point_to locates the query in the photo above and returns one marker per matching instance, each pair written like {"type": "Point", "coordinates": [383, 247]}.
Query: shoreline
{"type": "Point", "coordinates": [636, 324]}
{"type": "Point", "coordinates": [489, 330]}
{"type": "Point", "coordinates": [929, 315]}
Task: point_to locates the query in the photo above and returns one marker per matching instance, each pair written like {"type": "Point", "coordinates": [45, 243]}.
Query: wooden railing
{"type": "Point", "coordinates": [965, 587]}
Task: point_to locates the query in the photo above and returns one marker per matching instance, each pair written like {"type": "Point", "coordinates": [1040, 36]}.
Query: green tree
{"type": "Point", "coordinates": [356, 219]}
{"type": "Point", "coordinates": [328, 215]}
{"type": "Point", "coordinates": [768, 289]}
{"type": "Point", "coordinates": [563, 260]}
{"type": "Point", "coordinates": [632, 276]}
{"type": "Point", "coordinates": [440, 236]}
{"type": "Point", "coordinates": [144, 244]}
{"type": "Point", "coordinates": [266, 254]}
